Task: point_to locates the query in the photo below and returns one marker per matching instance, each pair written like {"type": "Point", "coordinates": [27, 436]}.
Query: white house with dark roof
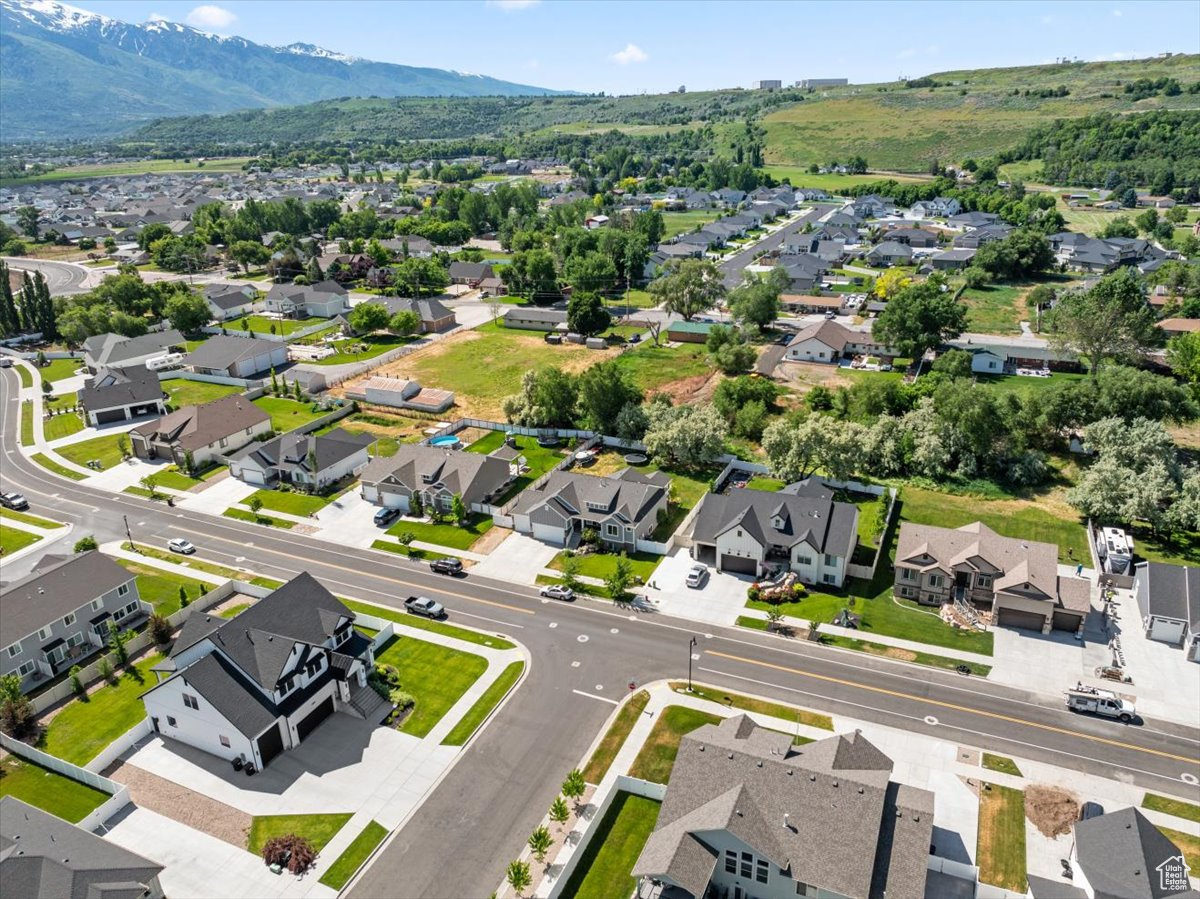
{"type": "Point", "coordinates": [225, 301]}
{"type": "Point", "coordinates": [434, 476]}
{"type": "Point", "coordinates": [623, 509]}
{"type": "Point", "coordinates": [257, 684]}
{"type": "Point", "coordinates": [828, 341]}
{"type": "Point", "coordinates": [752, 531]}
{"type": "Point", "coordinates": [748, 814]}
{"type": "Point", "coordinates": [308, 461]}
{"type": "Point", "coordinates": [121, 394]}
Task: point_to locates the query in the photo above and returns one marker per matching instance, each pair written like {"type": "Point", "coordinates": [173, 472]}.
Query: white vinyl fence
{"type": "Point", "coordinates": [118, 794]}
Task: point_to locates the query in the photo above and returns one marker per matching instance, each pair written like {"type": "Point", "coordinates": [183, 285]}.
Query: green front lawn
{"type": "Point", "coordinates": [1177, 807]}
{"type": "Point", "coordinates": [657, 756]}
{"type": "Point", "coordinates": [182, 392]}
{"type": "Point", "coordinates": [83, 728]}
{"type": "Point", "coordinates": [175, 479]}
{"type": "Point", "coordinates": [266, 520]}
{"type": "Point", "coordinates": [449, 535]}
{"type": "Point", "coordinates": [161, 588]}
{"type": "Point", "coordinates": [103, 449]}
{"type": "Point", "coordinates": [426, 624]}
{"type": "Point", "coordinates": [420, 555]}
{"type": "Point", "coordinates": [48, 790]}
{"type": "Point", "coordinates": [761, 482]}
{"type": "Point", "coordinates": [291, 503]}
{"type": "Point", "coordinates": [14, 540]}
{"type": "Point", "coordinates": [483, 706]}
{"type": "Point", "coordinates": [360, 349]}
{"type": "Point", "coordinates": [604, 870]}
{"type": "Point", "coordinates": [339, 873]}
{"type": "Point", "coordinates": [602, 565]}
{"type": "Point", "coordinates": [287, 415]}
{"type": "Point", "coordinates": [260, 324]}
{"type": "Point", "coordinates": [317, 829]}
{"type": "Point", "coordinates": [615, 738]}
{"type": "Point", "coordinates": [31, 519]}
{"type": "Point", "coordinates": [62, 426]}
{"type": "Point", "coordinates": [436, 676]}
{"type": "Point", "coordinates": [1000, 850]}
{"type": "Point", "coordinates": [56, 468]}
{"type": "Point", "coordinates": [59, 369]}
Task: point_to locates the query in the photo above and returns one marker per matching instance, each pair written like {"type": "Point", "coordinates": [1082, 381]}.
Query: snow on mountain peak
{"type": "Point", "coordinates": [55, 16]}
{"type": "Point", "coordinates": [302, 49]}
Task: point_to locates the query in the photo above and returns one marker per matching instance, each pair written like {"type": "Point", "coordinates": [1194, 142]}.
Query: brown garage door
{"type": "Point", "coordinates": [1018, 618]}
{"type": "Point", "coordinates": [1066, 621]}
{"type": "Point", "coordinates": [739, 564]}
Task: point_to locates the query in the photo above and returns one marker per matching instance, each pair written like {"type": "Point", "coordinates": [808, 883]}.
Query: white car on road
{"type": "Point", "coordinates": [179, 545]}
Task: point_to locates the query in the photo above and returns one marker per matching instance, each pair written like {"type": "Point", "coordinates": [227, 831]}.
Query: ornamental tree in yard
{"type": "Point", "coordinates": [367, 318]}
{"type": "Point", "coordinates": [574, 786]}
{"type": "Point", "coordinates": [518, 876]}
{"type": "Point", "coordinates": [559, 813]}
{"type": "Point", "coordinates": [689, 287]}
{"type": "Point", "coordinates": [540, 842]}
{"type": "Point", "coordinates": [1110, 322]}
{"type": "Point", "coordinates": [919, 318]}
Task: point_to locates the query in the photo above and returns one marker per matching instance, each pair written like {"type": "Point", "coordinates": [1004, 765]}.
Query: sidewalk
{"type": "Point", "coordinates": [40, 444]}
{"type": "Point", "coordinates": [47, 535]}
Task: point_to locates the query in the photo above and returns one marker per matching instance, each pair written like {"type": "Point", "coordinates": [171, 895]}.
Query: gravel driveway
{"type": "Point", "coordinates": [181, 804]}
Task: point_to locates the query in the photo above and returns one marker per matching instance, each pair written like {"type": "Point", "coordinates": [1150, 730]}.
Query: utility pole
{"type": "Point", "coordinates": [690, 646]}
{"type": "Point", "coordinates": [133, 545]}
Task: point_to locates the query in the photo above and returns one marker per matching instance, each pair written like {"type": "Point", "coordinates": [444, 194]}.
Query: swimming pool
{"type": "Point", "coordinates": [449, 441]}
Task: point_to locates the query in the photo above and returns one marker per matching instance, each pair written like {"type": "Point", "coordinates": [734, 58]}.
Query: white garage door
{"type": "Point", "coordinates": [250, 476]}
{"type": "Point", "coordinates": [548, 533]}
{"type": "Point", "coordinates": [1166, 631]}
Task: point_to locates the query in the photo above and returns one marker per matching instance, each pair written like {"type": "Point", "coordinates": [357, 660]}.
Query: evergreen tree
{"type": "Point", "coordinates": [10, 318]}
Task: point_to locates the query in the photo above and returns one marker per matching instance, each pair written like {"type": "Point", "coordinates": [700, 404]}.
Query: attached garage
{"type": "Point", "coordinates": [1031, 621]}
{"type": "Point", "coordinates": [1066, 621]}
{"type": "Point", "coordinates": [270, 744]}
{"type": "Point", "coordinates": [549, 533]}
{"type": "Point", "coordinates": [249, 475]}
{"type": "Point", "coordinates": [108, 416]}
{"type": "Point", "coordinates": [314, 718]}
{"type": "Point", "coordinates": [1166, 630]}
{"type": "Point", "coordinates": [739, 564]}
{"type": "Point", "coordinates": [706, 553]}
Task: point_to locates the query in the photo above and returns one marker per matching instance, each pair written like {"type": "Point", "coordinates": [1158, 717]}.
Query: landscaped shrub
{"type": "Point", "coordinates": [292, 851]}
{"type": "Point", "coordinates": [799, 590]}
{"type": "Point", "coordinates": [401, 700]}
{"type": "Point", "coordinates": [106, 669]}
{"type": "Point", "coordinates": [160, 628]}
{"type": "Point", "coordinates": [753, 594]}
{"type": "Point", "coordinates": [76, 683]}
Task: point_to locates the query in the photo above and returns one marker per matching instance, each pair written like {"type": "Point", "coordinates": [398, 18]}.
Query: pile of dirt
{"type": "Point", "coordinates": [1052, 810]}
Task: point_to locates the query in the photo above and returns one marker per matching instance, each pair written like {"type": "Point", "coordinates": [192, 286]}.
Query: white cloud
{"type": "Point", "coordinates": [208, 16]}
{"type": "Point", "coordinates": [631, 53]}
{"type": "Point", "coordinates": [1117, 13]}
{"type": "Point", "coordinates": [513, 5]}
{"type": "Point", "coordinates": [157, 17]}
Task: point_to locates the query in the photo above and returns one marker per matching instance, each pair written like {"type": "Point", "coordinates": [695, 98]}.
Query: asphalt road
{"type": "Point", "coordinates": [459, 841]}
{"type": "Point", "coordinates": [733, 266]}
{"type": "Point", "coordinates": [62, 277]}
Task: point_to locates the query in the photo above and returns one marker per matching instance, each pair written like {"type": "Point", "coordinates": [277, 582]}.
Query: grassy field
{"type": "Point", "coordinates": [995, 309]}
{"type": "Point", "coordinates": [653, 367]}
{"type": "Point", "coordinates": [113, 169]}
{"type": "Point", "coordinates": [55, 468]}
{"type": "Point", "coordinates": [759, 706]}
{"type": "Point", "coordinates": [799, 176]}
{"type": "Point", "coordinates": [317, 829]}
{"type": "Point", "coordinates": [102, 449]}
{"type": "Point", "coordinates": [1177, 807]}
{"type": "Point", "coordinates": [483, 706]}
{"type": "Point", "coordinates": [259, 518]}
{"type": "Point", "coordinates": [604, 870]}
{"type": "Point", "coordinates": [48, 790]}
{"type": "Point", "coordinates": [682, 222]}
{"type": "Point", "coordinates": [1000, 763]}
{"type": "Point", "coordinates": [30, 519]}
{"type": "Point", "coordinates": [286, 415]}
{"type": "Point", "coordinates": [436, 676]}
{"type": "Point", "coordinates": [761, 482]}
{"type": "Point", "coordinates": [915, 657]}
{"type": "Point", "coordinates": [82, 728]}
{"type": "Point", "coordinates": [290, 503]}
{"type": "Point", "coordinates": [657, 757]}
{"type": "Point", "coordinates": [449, 535]}
{"type": "Point", "coordinates": [615, 738]}
{"type": "Point", "coordinates": [14, 540]}
{"type": "Point", "coordinates": [425, 624]}
{"type": "Point", "coordinates": [360, 349]}
{"type": "Point", "coordinates": [194, 393]}
{"type": "Point", "coordinates": [1000, 850]}
{"type": "Point", "coordinates": [602, 565]}
{"type": "Point", "coordinates": [339, 873]}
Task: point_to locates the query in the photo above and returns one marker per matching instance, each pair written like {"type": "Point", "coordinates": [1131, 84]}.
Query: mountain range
{"type": "Point", "coordinates": [69, 73]}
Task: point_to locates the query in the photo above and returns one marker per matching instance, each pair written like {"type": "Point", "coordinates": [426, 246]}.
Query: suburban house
{"type": "Point", "coordinates": [1017, 580]}
{"type": "Point", "coordinates": [470, 273]}
{"type": "Point", "coordinates": [937, 208]}
{"type": "Point", "coordinates": [806, 304]}
{"type": "Point", "coordinates": [225, 302]}
{"type": "Point", "coordinates": [323, 300]}
{"type": "Point", "coordinates": [531, 318]}
{"type": "Point", "coordinates": [918, 238]}
{"type": "Point", "coordinates": [201, 432]}
{"type": "Point", "coordinates": [688, 332]}
{"type": "Point", "coordinates": [1117, 856]}
{"type": "Point", "coordinates": [1173, 327]}
{"type": "Point", "coordinates": [42, 855]}
{"type": "Point", "coordinates": [985, 361]}
{"type": "Point", "coordinates": [308, 461]}
{"type": "Point", "coordinates": [237, 357]}
{"type": "Point", "coordinates": [434, 317]}
{"type": "Point", "coordinates": [752, 532]}
{"type": "Point", "coordinates": [890, 252]}
{"type": "Point", "coordinates": [827, 341]}
{"type": "Point", "coordinates": [435, 476]}
{"type": "Point", "coordinates": [121, 394]}
{"type": "Point", "coordinates": [257, 684]}
{"type": "Point", "coordinates": [59, 613]}
{"type": "Point", "coordinates": [977, 237]}
{"type": "Point", "coordinates": [1168, 596]}
{"type": "Point", "coordinates": [623, 509]}
{"type": "Point", "coordinates": [747, 814]}
{"type": "Point", "coordinates": [403, 394]}
{"type": "Point", "coordinates": [115, 351]}
{"type": "Point", "coordinates": [952, 260]}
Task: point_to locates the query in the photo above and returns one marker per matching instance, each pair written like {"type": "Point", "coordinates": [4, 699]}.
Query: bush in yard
{"type": "Point", "coordinates": [559, 811]}
{"type": "Point", "coordinates": [106, 669]}
{"type": "Point", "coordinates": [123, 446]}
{"type": "Point", "coordinates": [401, 700]}
{"type": "Point", "coordinates": [184, 602]}
{"type": "Point", "coordinates": [292, 851]}
{"type": "Point", "coordinates": [17, 718]}
{"type": "Point", "coordinates": [117, 640]}
{"type": "Point", "coordinates": [160, 628]}
{"type": "Point", "coordinates": [76, 683]}
{"type": "Point", "coordinates": [83, 544]}
{"type": "Point", "coordinates": [753, 594]}
{"type": "Point", "coordinates": [799, 590]}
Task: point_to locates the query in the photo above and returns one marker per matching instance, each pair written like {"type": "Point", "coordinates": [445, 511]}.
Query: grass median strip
{"type": "Point", "coordinates": [317, 829]}
{"type": "Point", "coordinates": [1189, 845]}
{"type": "Point", "coordinates": [483, 706]}
{"type": "Point", "coordinates": [27, 423]}
{"type": "Point", "coordinates": [425, 624]}
{"type": "Point", "coordinates": [14, 540]}
{"type": "Point", "coordinates": [195, 564]}
{"type": "Point", "coordinates": [618, 733]}
{"type": "Point", "coordinates": [1000, 852]}
{"type": "Point", "coordinates": [340, 872]}
{"type": "Point", "coordinates": [759, 706]}
{"type": "Point", "coordinates": [25, 517]}
{"type": "Point", "coordinates": [1189, 811]}
{"type": "Point", "coordinates": [25, 375]}
{"type": "Point", "coordinates": [55, 468]}
{"type": "Point", "coordinates": [267, 520]}
{"type": "Point", "coordinates": [420, 555]}
{"type": "Point", "coordinates": [1002, 764]}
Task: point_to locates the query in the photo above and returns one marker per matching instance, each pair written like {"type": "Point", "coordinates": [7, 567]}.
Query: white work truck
{"type": "Point", "coordinates": [1083, 698]}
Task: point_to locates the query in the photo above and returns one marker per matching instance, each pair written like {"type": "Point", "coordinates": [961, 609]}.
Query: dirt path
{"type": "Point", "coordinates": [181, 804]}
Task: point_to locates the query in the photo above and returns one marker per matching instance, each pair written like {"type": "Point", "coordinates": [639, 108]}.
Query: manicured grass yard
{"type": "Point", "coordinates": [58, 426]}
{"type": "Point", "coordinates": [48, 790]}
{"type": "Point", "coordinates": [437, 676]}
{"type": "Point", "coordinates": [52, 466]}
{"type": "Point", "coordinates": [13, 540]}
{"type": "Point", "coordinates": [161, 588]}
{"type": "Point", "coordinates": [78, 732]}
{"type": "Point", "coordinates": [103, 449]}
{"type": "Point", "coordinates": [339, 873]}
{"type": "Point", "coordinates": [483, 706]}
{"type": "Point", "coordinates": [601, 565]}
{"type": "Point", "coordinates": [373, 345]}
{"type": "Point", "coordinates": [30, 519]}
{"type": "Point", "coordinates": [58, 369]}
{"type": "Point", "coordinates": [287, 415]}
{"type": "Point", "coordinates": [760, 706]}
{"type": "Point", "coordinates": [1000, 851]}
{"type": "Point", "coordinates": [657, 757]}
{"type": "Point", "coordinates": [449, 535]}
{"type": "Point", "coordinates": [615, 738]}
{"type": "Point", "coordinates": [538, 459]}
{"type": "Point", "coordinates": [761, 482]}
{"type": "Point", "coordinates": [1000, 763]}
{"type": "Point", "coordinates": [175, 479]}
{"type": "Point", "coordinates": [687, 489]}
{"type": "Point", "coordinates": [317, 829]}
{"type": "Point", "coordinates": [260, 324]}
{"type": "Point", "coordinates": [291, 503]}
{"type": "Point", "coordinates": [1177, 807]}
{"type": "Point", "coordinates": [426, 624]}
{"type": "Point", "coordinates": [194, 393]}
{"type": "Point", "coordinates": [604, 870]}
{"type": "Point", "coordinates": [247, 515]}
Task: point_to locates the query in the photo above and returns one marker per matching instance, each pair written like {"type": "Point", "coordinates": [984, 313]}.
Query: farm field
{"type": "Point", "coordinates": [109, 170]}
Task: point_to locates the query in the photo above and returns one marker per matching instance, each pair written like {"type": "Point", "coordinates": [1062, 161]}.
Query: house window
{"type": "Point", "coordinates": [803, 560]}
{"type": "Point", "coordinates": [747, 865]}
{"type": "Point", "coordinates": [730, 861]}
{"type": "Point", "coordinates": [190, 701]}
{"type": "Point", "coordinates": [171, 721]}
{"type": "Point", "coordinates": [44, 633]}
{"type": "Point", "coordinates": [224, 440]}
{"type": "Point", "coordinates": [25, 669]}
{"type": "Point", "coordinates": [830, 561]}
{"type": "Point", "coordinates": [75, 639]}
{"type": "Point", "coordinates": [801, 889]}
{"type": "Point", "coordinates": [122, 590]}
{"type": "Point", "coordinates": [983, 580]}
{"type": "Point", "coordinates": [828, 578]}
{"type": "Point", "coordinates": [906, 591]}
{"type": "Point", "coordinates": [936, 580]}
{"type": "Point", "coordinates": [739, 533]}
{"type": "Point", "coordinates": [96, 604]}
{"type": "Point", "coordinates": [100, 629]}
{"type": "Point", "coordinates": [224, 740]}
{"type": "Point", "coordinates": [760, 872]}
{"type": "Point", "coordinates": [612, 530]}
{"type": "Point", "coordinates": [68, 619]}
{"type": "Point", "coordinates": [14, 650]}
{"type": "Point", "coordinates": [907, 574]}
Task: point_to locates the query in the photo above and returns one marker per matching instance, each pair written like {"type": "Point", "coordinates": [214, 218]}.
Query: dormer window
{"type": "Point", "coordinates": [777, 523]}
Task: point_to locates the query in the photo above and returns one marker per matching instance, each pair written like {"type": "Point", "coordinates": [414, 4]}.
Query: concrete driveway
{"type": "Point", "coordinates": [350, 519]}
{"type": "Point", "coordinates": [1165, 683]}
{"type": "Point", "coordinates": [219, 497]}
{"type": "Point", "coordinates": [719, 600]}
{"type": "Point", "coordinates": [519, 559]}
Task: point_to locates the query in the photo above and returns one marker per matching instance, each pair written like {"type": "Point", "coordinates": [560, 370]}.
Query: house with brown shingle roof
{"type": "Point", "coordinates": [213, 429]}
{"type": "Point", "coordinates": [1018, 580]}
{"type": "Point", "coordinates": [435, 476]}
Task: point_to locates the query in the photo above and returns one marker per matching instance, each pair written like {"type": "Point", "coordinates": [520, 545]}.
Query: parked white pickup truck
{"type": "Point", "coordinates": [1101, 702]}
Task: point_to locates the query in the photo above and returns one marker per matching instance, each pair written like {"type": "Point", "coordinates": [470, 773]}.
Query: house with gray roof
{"type": "Point", "coordinates": [307, 461]}
{"type": "Point", "coordinates": [433, 315]}
{"type": "Point", "coordinates": [1016, 579]}
{"type": "Point", "coordinates": [237, 357]}
{"type": "Point", "coordinates": [324, 299]}
{"type": "Point", "coordinates": [115, 351]}
{"type": "Point", "coordinates": [60, 612]}
{"type": "Point", "coordinates": [257, 684]}
{"type": "Point", "coordinates": [1168, 596]}
{"type": "Point", "coordinates": [201, 433]}
{"type": "Point", "coordinates": [746, 813]}
{"type": "Point", "coordinates": [225, 301]}
{"type": "Point", "coordinates": [121, 394]}
{"type": "Point", "coordinates": [623, 509]}
{"type": "Point", "coordinates": [533, 318]}
{"type": "Point", "coordinates": [890, 252]}
{"type": "Point", "coordinates": [752, 532]}
{"type": "Point", "coordinates": [434, 476]}
{"type": "Point", "coordinates": [44, 857]}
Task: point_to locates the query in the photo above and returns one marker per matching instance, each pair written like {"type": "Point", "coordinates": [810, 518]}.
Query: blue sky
{"type": "Point", "coordinates": [634, 47]}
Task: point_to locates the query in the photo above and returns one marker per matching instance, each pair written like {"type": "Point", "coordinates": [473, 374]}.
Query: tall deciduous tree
{"type": "Point", "coordinates": [188, 312]}
{"type": "Point", "coordinates": [367, 318]}
{"type": "Point", "coordinates": [690, 436]}
{"type": "Point", "coordinates": [604, 391]}
{"type": "Point", "coordinates": [586, 314]}
{"type": "Point", "coordinates": [1110, 322]}
{"type": "Point", "coordinates": [919, 318]}
{"type": "Point", "coordinates": [689, 287]}
{"type": "Point", "coordinates": [755, 302]}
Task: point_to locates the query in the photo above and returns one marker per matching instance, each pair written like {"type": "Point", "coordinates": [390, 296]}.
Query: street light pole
{"type": "Point", "coordinates": [690, 645]}
{"type": "Point", "coordinates": [128, 535]}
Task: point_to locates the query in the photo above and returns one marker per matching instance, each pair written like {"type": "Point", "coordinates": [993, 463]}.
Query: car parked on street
{"type": "Point", "coordinates": [15, 501]}
{"type": "Point", "coordinates": [446, 566]}
{"type": "Point", "coordinates": [179, 545]}
{"type": "Point", "coordinates": [425, 607]}
{"type": "Point", "coordinates": [696, 575]}
{"type": "Point", "coordinates": [558, 591]}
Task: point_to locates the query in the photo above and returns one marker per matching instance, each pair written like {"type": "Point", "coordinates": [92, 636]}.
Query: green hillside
{"type": "Point", "coordinates": [969, 113]}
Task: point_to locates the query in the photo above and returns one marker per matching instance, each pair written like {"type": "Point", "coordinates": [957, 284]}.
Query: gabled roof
{"type": "Point", "coordinates": [223, 350]}
{"type": "Point", "coordinates": [44, 857]}
{"type": "Point", "coordinates": [113, 349]}
{"type": "Point", "coordinates": [427, 310]}
{"type": "Point", "coordinates": [830, 333]}
{"type": "Point", "coordinates": [1120, 853]}
{"type": "Point", "coordinates": [628, 496]}
{"type": "Point", "coordinates": [1172, 591]}
{"type": "Point", "coordinates": [295, 452]}
{"type": "Point", "coordinates": [58, 585]}
{"type": "Point", "coordinates": [120, 387]}
{"type": "Point", "coordinates": [418, 467]}
{"type": "Point", "coordinates": [193, 427]}
{"type": "Point", "coordinates": [825, 525]}
{"type": "Point", "coordinates": [471, 270]}
{"type": "Point", "coordinates": [231, 694]}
